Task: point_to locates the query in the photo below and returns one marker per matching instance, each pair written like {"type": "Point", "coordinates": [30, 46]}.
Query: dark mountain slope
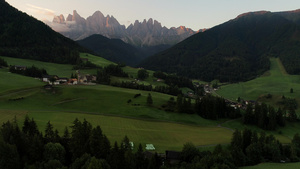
{"type": "Point", "coordinates": [118, 51]}
{"type": "Point", "coordinates": [291, 15]}
{"type": "Point", "coordinates": [112, 49]}
{"type": "Point", "coordinates": [23, 36]}
{"type": "Point", "coordinates": [237, 50]}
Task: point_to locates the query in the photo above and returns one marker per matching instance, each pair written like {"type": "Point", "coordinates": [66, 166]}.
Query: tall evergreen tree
{"type": "Point", "coordinates": [272, 119]}
{"type": "Point", "coordinates": [149, 100]}
{"type": "Point", "coordinates": [49, 133]}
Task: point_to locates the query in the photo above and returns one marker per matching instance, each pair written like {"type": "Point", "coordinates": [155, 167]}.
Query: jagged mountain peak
{"type": "Point", "coordinates": [59, 19]}
{"type": "Point", "coordinates": [146, 33]}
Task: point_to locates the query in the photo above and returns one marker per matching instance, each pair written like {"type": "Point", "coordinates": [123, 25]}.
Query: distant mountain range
{"type": "Point", "coordinates": [237, 50]}
{"type": "Point", "coordinates": [25, 37]}
{"type": "Point", "coordinates": [140, 34]}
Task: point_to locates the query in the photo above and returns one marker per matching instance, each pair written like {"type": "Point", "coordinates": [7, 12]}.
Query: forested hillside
{"type": "Point", "coordinates": [237, 50]}
{"type": "Point", "coordinates": [112, 49]}
{"type": "Point", "coordinates": [23, 36]}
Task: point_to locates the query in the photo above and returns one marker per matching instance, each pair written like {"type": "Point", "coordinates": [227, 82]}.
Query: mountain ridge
{"type": "Point", "coordinates": [146, 33]}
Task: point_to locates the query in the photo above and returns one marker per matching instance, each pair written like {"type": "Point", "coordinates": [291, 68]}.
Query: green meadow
{"type": "Point", "coordinates": [274, 166]}
{"type": "Point", "coordinates": [283, 134]}
{"type": "Point", "coordinates": [163, 135]}
{"type": "Point", "coordinates": [114, 109]}
{"type": "Point", "coordinates": [61, 70]}
{"type": "Point", "coordinates": [98, 99]}
{"type": "Point", "coordinates": [96, 59]}
{"type": "Point", "coordinates": [12, 82]}
{"type": "Point", "coordinates": [275, 82]}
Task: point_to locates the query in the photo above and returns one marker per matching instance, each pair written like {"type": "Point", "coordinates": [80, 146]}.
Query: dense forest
{"type": "Point", "coordinates": [87, 147]}
{"type": "Point", "coordinates": [237, 50]}
{"type": "Point", "coordinates": [23, 36]}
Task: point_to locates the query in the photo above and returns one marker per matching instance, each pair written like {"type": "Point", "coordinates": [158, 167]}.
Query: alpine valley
{"type": "Point", "coordinates": [224, 98]}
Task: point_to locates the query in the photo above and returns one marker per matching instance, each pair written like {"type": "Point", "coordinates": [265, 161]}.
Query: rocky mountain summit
{"type": "Point", "coordinates": [146, 33]}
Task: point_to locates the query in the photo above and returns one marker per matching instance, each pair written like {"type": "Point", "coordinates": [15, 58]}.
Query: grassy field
{"type": "Point", "coordinates": [98, 99]}
{"type": "Point", "coordinates": [276, 82]}
{"type": "Point", "coordinates": [12, 82]}
{"type": "Point", "coordinates": [65, 70]}
{"type": "Point", "coordinates": [283, 134]}
{"type": "Point", "coordinates": [274, 166]}
{"type": "Point", "coordinates": [96, 59]}
{"type": "Point", "coordinates": [61, 70]}
{"type": "Point", "coordinates": [163, 135]}
{"type": "Point", "coordinates": [108, 107]}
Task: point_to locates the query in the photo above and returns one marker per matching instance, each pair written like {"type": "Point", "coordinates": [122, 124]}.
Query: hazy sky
{"type": "Point", "coordinates": [195, 14]}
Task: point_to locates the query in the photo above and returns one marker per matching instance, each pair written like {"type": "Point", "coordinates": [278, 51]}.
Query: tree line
{"type": "Point", "coordinates": [266, 117]}
{"type": "Point", "coordinates": [3, 62]}
{"type": "Point", "coordinates": [32, 71]}
{"type": "Point", "coordinates": [173, 80]}
{"type": "Point", "coordinates": [87, 147]}
{"type": "Point", "coordinates": [208, 107]}
{"type": "Point", "coordinates": [84, 147]}
{"type": "Point", "coordinates": [246, 148]}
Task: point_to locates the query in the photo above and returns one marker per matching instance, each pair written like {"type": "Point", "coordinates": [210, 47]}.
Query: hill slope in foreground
{"type": "Point", "coordinates": [23, 36]}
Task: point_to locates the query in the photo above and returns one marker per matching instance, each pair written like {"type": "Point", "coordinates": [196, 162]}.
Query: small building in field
{"type": "Point", "coordinates": [73, 81]}
{"type": "Point", "coordinates": [48, 78]}
{"type": "Point", "coordinates": [62, 80]}
{"type": "Point", "coordinates": [150, 147]}
{"type": "Point", "coordinates": [19, 67]}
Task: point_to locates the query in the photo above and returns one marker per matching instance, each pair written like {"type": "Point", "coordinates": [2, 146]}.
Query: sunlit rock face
{"type": "Point", "coordinates": [145, 33]}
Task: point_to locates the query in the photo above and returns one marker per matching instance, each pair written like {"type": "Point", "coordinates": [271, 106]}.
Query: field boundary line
{"type": "Point", "coordinates": [12, 92]}
{"type": "Point", "coordinates": [128, 117]}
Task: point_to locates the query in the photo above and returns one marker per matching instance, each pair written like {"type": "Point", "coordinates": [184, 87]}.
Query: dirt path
{"type": "Point", "coordinates": [227, 128]}
{"type": "Point", "coordinates": [8, 93]}
{"type": "Point", "coordinates": [70, 100]}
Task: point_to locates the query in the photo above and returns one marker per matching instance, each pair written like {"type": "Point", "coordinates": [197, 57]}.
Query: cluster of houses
{"type": "Point", "coordinates": [81, 79]}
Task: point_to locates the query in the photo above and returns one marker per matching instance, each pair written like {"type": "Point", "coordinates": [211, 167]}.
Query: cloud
{"type": "Point", "coordinates": [40, 12]}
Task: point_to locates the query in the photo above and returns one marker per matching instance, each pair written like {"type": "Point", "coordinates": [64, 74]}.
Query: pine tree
{"type": "Point", "coordinates": [280, 118]}
{"type": "Point", "coordinates": [236, 141]}
{"type": "Point", "coordinates": [149, 100]}
{"type": "Point", "coordinates": [272, 119]}
{"type": "Point", "coordinates": [49, 133]}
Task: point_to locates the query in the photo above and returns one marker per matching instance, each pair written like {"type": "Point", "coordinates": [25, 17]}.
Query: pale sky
{"type": "Point", "coordinates": [195, 14]}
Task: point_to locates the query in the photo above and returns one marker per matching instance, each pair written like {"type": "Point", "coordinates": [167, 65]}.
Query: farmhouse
{"type": "Point", "coordinates": [85, 79]}
{"type": "Point", "coordinates": [62, 80]}
{"type": "Point", "coordinates": [48, 78]}
{"type": "Point", "coordinates": [19, 67]}
{"type": "Point", "coordinates": [72, 81]}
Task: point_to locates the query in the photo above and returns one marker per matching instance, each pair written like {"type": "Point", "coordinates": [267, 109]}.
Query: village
{"type": "Point", "coordinates": [79, 79]}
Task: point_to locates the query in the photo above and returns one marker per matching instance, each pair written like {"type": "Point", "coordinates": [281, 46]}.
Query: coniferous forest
{"type": "Point", "coordinates": [87, 147]}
